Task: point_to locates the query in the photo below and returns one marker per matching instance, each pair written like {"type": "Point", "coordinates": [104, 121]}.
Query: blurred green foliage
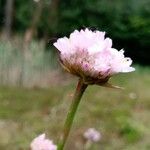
{"type": "Point", "coordinates": [126, 21]}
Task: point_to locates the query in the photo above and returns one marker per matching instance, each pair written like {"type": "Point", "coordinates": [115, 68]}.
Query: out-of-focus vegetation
{"type": "Point", "coordinates": [33, 67]}
{"type": "Point", "coordinates": [126, 21]}
{"type": "Point", "coordinates": [27, 29]}
{"type": "Point", "coordinates": [122, 117]}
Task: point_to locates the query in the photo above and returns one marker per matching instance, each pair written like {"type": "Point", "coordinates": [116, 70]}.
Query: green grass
{"type": "Point", "coordinates": [122, 117]}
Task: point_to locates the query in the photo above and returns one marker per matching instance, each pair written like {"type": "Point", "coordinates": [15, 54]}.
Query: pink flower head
{"type": "Point", "coordinates": [89, 55]}
{"type": "Point", "coordinates": [92, 135]}
{"type": "Point", "coordinates": [41, 143]}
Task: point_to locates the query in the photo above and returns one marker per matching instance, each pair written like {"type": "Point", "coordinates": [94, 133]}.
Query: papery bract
{"type": "Point", "coordinates": [41, 143]}
{"type": "Point", "coordinates": [89, 55]}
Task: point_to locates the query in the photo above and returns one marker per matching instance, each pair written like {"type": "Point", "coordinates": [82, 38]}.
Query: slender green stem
{"type": "Point", "coordinates": [70, 116]}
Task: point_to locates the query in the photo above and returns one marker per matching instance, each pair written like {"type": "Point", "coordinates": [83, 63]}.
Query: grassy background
{"type": "Point", "coordinates": [122, 117]}
{"type": "Point", "coordinates": [33, 66]}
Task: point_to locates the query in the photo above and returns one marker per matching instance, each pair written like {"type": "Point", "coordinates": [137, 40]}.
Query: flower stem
{"type": "Point", "coordinates": [70, 116]}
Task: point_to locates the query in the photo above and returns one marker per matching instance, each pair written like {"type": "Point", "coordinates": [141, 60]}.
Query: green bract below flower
{"type": "Point", "coordinates": [89, 55]}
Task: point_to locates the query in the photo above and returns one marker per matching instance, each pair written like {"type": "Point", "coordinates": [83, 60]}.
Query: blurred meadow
{"type": "Point", "coordinates": [35, 92]}
{"type": "Point", "coordinates": [121, 116]}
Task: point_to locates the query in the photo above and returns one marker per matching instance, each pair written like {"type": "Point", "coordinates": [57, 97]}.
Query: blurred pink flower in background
{"type": "Point", "coordinates": [92, 135]}
{"type": "Point", "coordinates": [41, 143]}
{"type": "Point", "coordinates": [89, 55]}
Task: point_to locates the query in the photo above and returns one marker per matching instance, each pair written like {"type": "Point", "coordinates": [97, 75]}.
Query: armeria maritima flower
{"type": "Point", "coordinates": [89, 55]}
{"type": "Point", "coordinates": [92, 135]}
{"type": "Point", "coordinates": [41, 143]}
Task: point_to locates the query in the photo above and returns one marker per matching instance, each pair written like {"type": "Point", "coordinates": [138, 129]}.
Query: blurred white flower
{"type": "Point", "coordinates": [41, 143]}
{"type": "Point", "coordinates": [89, 55]}
{"type": "Point", "coordinates": [132, 95]}
{"type": "Point", "coordinates": [92, 135]}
